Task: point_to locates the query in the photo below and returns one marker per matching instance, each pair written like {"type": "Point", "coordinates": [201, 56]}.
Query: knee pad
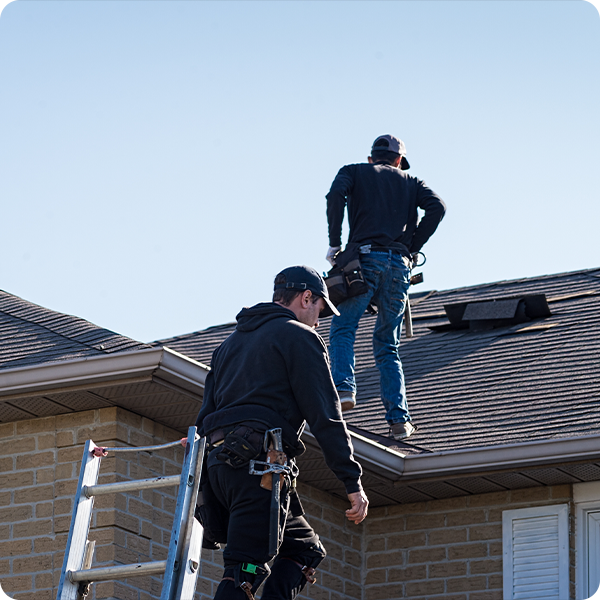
{"type": "Point", "coordinates": [247, 576]}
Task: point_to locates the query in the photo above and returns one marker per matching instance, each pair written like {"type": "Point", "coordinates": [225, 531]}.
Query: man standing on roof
{"type": "Point", "coordinates": [382, 201]}
{"type": "Point", "coordinates": [272, 372]}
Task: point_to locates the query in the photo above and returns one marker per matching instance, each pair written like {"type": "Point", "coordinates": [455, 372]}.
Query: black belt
{"type": "Point", "coordinates": [255, 438]}
{"type": "Point", "coordinates": [387, 249]}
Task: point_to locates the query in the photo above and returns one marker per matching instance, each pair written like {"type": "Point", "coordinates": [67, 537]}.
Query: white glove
{"type": "Point", "coordinates": [331, 254]}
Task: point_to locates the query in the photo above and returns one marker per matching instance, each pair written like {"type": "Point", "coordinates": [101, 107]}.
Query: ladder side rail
{"type": "Point", "coordinates": [130, 486]}
{"type": "Point", "coordinates": [80, 523]}
{"type": "Point", "coordinates": [192, 545]}
{"type": "Point", "coordinates": [188, 483]}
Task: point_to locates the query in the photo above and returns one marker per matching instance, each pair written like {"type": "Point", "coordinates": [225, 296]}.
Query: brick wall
{"type": "Point", "coordinates": [449, 549]}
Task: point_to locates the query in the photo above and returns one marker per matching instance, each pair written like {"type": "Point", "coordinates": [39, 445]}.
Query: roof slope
{"type": "Point", "coordinates": [473, 389]}
{"type": "Point", "coordinates": [33, 335]}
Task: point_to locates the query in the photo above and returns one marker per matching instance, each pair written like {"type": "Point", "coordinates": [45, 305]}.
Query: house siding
{"type": "Point", "coordinates": [449, 549]}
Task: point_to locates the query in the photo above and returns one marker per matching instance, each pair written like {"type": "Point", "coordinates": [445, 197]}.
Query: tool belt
{"type": "Point", "coordinates": [345, 280]}
{"type": "Point", "coordinates": [239, 445]}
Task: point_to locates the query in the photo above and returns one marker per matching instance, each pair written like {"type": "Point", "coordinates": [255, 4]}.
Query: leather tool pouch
{"type": "Point", "coordinates": [346, 279]}
{"type": "Point", "coordinates": [266, 481]}
{"type": "Point", "coordinates": [237, 451]}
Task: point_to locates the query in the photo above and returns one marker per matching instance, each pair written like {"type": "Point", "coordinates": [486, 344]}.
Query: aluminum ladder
{"type": "Point", "coordinates": [183, 560]}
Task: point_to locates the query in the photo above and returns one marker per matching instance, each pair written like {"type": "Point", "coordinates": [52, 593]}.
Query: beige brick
{"type": "Point", "coordinates": [486, 566]}
{"type": "Point", "coordinates": [385, 526]}
{"type": "Point", "coordinates": [465, 517]}
{"type": "Point", "coordinates": [34, 426]}
{"type": "Point", "coordinates": [5, 498]}
{"type": "Point", "coordinates": [447, 536]}
{"type": "Point", "coordinates": [101, 434]}
{"type": "Point", "coordinates": [65, 488]}
{"type": "Point", "coordinates": [424, 588]}
{"type": "Point", "coordinates": [352, 590]}
{"type": "Point", "coordinates": [427, 555]}
{"type": "Point", "coordinates": [411, 573]}
{"type": "Point", "coordinates": [32, 564]}
{"type": "Point", "coordinates": [15, 513]}
{"type": "Point", "coordinates": [386, 559]}
{"type": "Point", "coordinates": [427, 521]}
{"type": "Point", "coordinates": [335, 551]}
{"type": "Point", "coordinates": [17, 479]}
{"type": "Point", "coordinates": [63, 506]}
{"type": "Point", "coordinates": [46, 442]}
{"type": "Point", "coordinates": [69, 454]}
{"type": "Point", "coordinates": [34, 494]}
{"type": "Point", "coordinates": [447, 569]}
{"type": "Point", "coordinates": [62, 524]}
{"type": "Point", "coordinates": [43, 580]}
{"type": "Point", "coordinates": [352, 558]}
{"type": "Point", "coordinates": [65, 438]}
{"type": "Point", "coordinates": [133, 420]}
{"type": "Point", "coordinates": [376, 576]}
{"type": "Point", "coordinates": [72, 420]}
{"type": "Point", "coordinates": [467, 551]}
{"type": "Point", "coordinates": [44, 510]}
{"type": "Point", "coordinates": [43, 476]}
{"type": "Point", "coordinates": [109, 414]}
{"type": "Point", "coordinates": [495, 582]}
{"type": "Point", "coordinates": [7, 430]}
{"type": "Point", "coordinates": [406, 540]}
{"type": "Point", "coordinates": [43, 545]}
{"type": "Point", "coordinates": [32, 528]}
{"type": "Point", "coordinates": [18, 583]}
{"type": "Point", "coordinates": [6, 464]}
{"type": "Point", "coordinates": [446, 504]}
{"type": "Point", "coordinates": [376, 544]}
{"type": "Point", "coordinates": [466, 584]}
{"type": "Point", "coordinates": [485, 532]}
{"type": "Point", "coordinates": [17, 446]}
{"type": "Point", "coordinates": [487, 595]}
{"type": "Point", "coordinates": [564, 492]}
{"type": "Point", "coordinates": [490, 499]}
{"type": "Point", "coordinates": [65, 471]}
{"type": "Point", "coordinates": [530, 494]}
{"type": "Point", "coordinates": [15, 548]}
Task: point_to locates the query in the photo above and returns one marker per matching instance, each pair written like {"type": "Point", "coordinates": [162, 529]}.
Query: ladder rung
{"type": "Point", "coordinates": [129, 486]}
{"type": "Point", "coordinates": [121, 572]}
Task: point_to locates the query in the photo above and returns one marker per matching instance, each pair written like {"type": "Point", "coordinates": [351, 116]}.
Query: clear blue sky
{"type": "Point", "coordinates": [160, 162]}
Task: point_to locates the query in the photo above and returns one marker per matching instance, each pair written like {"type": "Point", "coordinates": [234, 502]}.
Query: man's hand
{"type": "Point", "coordinates": [333, 250]}
{"type": "Point", "coordinates": [360, 504]}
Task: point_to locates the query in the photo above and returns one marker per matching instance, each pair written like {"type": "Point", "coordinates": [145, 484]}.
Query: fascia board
{"type": "Point", "coordinates": [526, 455]}
{"type": "Point", "coordinates": [79, 372]}
{"type": "Point", "coordinates": [454, 464]}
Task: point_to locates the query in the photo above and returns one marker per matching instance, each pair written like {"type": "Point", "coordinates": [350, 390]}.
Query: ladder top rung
{"type": "Point", "coordinates": [129, 486]}
{"type": "Point", "coordinates": [118, 572]}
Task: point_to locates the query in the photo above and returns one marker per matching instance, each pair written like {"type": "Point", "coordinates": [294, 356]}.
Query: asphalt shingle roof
{"type": "Point", "coordinates": [31, 335]}
{"type": "Point", "coordinates": [533, 381]}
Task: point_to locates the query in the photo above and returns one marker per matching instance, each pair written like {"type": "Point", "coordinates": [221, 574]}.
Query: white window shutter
{"type": "Point", "coordinates": [536, 553]}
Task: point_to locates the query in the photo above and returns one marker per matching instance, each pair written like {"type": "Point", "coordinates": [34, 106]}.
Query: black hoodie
{"type": "Point", "coordinates": [274, 370]}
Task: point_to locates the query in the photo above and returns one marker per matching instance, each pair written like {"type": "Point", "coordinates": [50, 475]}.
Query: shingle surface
{"type": "Point", "coordinates": [31, 335]}
{"type": "Point", "coordinates": [469, 389]}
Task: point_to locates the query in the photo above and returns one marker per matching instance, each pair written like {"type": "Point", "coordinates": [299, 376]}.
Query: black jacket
{"type": "Point", "coordinates": [274, 371]}
{"type": "Point", "coordinates": [382, 207]}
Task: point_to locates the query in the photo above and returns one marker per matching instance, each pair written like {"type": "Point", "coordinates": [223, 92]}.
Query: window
{"type": "Point", "coordinates": [535, 543]}
{"type": "Point", "coordinates": [587, 514]}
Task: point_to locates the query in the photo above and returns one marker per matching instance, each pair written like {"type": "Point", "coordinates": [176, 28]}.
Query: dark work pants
{"type": "Point", "coordinates": [248, 508]}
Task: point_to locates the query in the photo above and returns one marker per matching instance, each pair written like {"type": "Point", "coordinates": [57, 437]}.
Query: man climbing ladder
{"type": "Point", "coordinates": [269, 378]}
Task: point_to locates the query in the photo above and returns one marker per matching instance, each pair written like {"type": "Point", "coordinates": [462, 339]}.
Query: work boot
{"type": "Point", "coordinates": [401, 431]}
{"type": "Point", "coordinates": [348, 400]}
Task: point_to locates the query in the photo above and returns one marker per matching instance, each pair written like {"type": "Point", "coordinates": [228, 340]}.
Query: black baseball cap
{"type": "Point", "coordinates": [300, 278]}
{"type": "Point", "coordinates": [392, 144]}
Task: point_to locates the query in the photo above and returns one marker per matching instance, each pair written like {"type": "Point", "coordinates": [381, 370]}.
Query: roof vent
{"type": "Point", "coordinates": [481, 315]}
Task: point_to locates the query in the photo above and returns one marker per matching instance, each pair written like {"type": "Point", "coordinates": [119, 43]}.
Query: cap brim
{"type": "Point", "coordinates": [404, 164]}
{"type": "Point", "coordinates": [329, 309]}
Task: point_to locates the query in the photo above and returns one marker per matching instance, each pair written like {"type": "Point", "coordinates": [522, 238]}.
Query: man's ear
{"type": "Point", "coordinates": [306, 297]}
{"type": "Point", "coordinates": [397, 161]}
{"type": "Point", "coordinates": [370, 160]}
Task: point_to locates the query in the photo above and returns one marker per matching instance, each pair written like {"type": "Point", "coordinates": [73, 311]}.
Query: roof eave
{"type": "Point", "coordinates": [454, 464]}
{"type": "Point", "coordinates": [161, 363]}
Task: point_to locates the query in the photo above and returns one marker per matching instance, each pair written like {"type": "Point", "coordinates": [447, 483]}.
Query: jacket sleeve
{"type": "Point", "coordinates": [341, 188]}
{"type": "Point", "coordinates": [434, 208]}
{"type": "Point", "coordinates": [310, 377]}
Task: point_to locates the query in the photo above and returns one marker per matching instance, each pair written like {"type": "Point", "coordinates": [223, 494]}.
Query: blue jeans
{"type": "Point", "coordinates": [388, 277]}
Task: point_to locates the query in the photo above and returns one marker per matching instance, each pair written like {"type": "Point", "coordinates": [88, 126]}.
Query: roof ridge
{"type": "Point", "coordinates": [518, 280]}
{"type": "Point", "coordinates": [57, 323]}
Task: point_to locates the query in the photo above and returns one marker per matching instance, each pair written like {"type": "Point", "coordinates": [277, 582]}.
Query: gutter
{"type": "Point", "coordinates": [454, 464]}
{"type": "Point", "coordinates": [154, 363]}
